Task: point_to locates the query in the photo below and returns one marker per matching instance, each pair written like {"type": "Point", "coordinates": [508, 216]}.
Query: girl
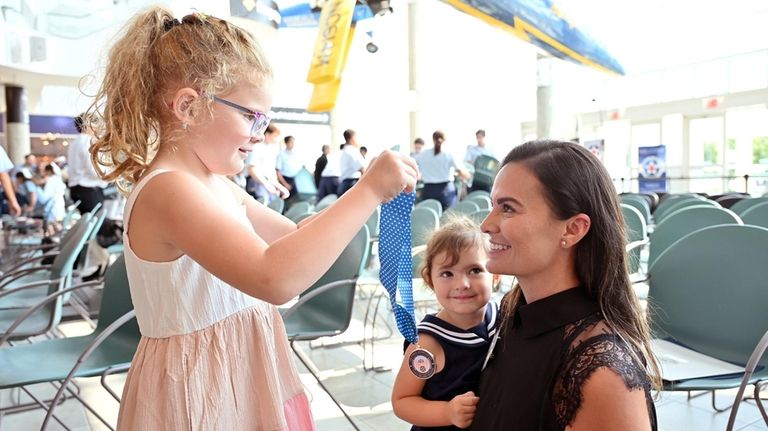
{"type": "Point", "coordinates": [573, 350]}
{"type": "Point", "coordinates": [183, 103]}
{"type": "Point", "coordinates": [458, 335]}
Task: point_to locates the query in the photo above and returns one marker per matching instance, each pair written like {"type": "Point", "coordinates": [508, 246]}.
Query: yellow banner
{"type": "Point", "coordinates": [332, 40]}
{"type": "Point", "coordinates": [324, 94]}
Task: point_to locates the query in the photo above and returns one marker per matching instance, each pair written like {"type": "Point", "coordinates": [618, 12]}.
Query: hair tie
{"type": "Point", "coordinates": [171, 23]}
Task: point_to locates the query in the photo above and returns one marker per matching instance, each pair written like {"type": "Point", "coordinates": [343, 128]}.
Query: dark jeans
{"type": "Point", "coordinates": [443, 192]}
{"type": "Point", "coordinates": [328, 186]}
{"type": "Point", "coordinates": [346, 185]}
{"type": "Point", "coordinates": [88, 197]}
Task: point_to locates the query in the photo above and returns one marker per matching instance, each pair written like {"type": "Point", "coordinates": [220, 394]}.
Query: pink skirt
{"type": "Point", "coordinates": [237, 374]}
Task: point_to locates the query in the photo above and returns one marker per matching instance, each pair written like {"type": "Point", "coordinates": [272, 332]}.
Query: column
{"type": "Point", "coordinates": [17, 123]}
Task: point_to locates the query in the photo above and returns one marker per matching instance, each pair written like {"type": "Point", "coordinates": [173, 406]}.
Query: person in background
{"type": "Point", "coordinates": [418, 147]}
{"type": "Point", "coordinates": [363, 151]}
{"type": "Point", "coordinates": [263, 184]}
{"type": "Point", "coordinates": [437, 171]}
{"type": "Point", "coordinates": [287, 166]}
{"type": "Point", "coordinates": [320, 164]}
{"type": "Point", "coordinates": [329, 178]}
{"type": "Point", "coordinates": [6, 166]}
{"type": "Point", "coordinates": [84, 183]}
{"type": "Point", "coordinates": [479, 149]}
{"type": "Point", "coordinates": [351, 161]}
{"type": "Point", "coordinates": [26, 191]}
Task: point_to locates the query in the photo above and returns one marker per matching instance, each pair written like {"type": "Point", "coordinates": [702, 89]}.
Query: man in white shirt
{"type": "Point", "coordinates": [474, 151]}
{"type": "Point", "coordinates": [329, 177]}
{"type": "Point", "coordinates": [351, 162]}
{"type": "Point", "coordinates": [288, 166]}
{"type": "Point", "coordinates": [5, 181]}
{"type": "Point", "coordinates": [260, 165]}
{"type": "Point", "coordinates": [84, 183]}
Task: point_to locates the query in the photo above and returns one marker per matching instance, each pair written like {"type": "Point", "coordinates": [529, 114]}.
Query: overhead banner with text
{"type": "Point", "coordinates": [653, 169]}
{"type": "Point", "coordinates": [324, 94]}
{"type": "Point", "coordinates": [332, 39]}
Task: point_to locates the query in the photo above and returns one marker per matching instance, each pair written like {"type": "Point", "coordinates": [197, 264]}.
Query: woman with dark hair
{"type": "Point", "coordinates": [573, 352]}
{"type": "Point", "coordinates": [437, 168]}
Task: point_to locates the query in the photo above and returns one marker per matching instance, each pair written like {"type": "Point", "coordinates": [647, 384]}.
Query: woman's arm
{"type": "Point", "coordinates": [607, 404]}
{"type": "Point", "coordinates": [410, 406]}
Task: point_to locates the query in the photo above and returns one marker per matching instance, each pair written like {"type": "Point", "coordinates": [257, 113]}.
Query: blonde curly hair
{"type": "Point", "coordinates": [155, 56]}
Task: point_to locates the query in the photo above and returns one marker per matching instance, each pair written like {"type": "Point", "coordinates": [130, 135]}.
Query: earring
{"type": "Point", "coordinates": [184, 126]}
{"type": "Point", "coordinates": [563, 243]}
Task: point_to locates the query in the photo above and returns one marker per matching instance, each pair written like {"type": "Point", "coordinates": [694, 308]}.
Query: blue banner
{"type": "Point", "coordinates": [653, 169]}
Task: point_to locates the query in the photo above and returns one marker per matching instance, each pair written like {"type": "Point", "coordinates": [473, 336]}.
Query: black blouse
{"type": "Point", "coordinates": [534, 377]}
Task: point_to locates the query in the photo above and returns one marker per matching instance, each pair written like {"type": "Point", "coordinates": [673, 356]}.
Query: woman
{"type": "Point", "coordinates": [436, 168]}
{"type": "Point", "coordinates": [573, 352]}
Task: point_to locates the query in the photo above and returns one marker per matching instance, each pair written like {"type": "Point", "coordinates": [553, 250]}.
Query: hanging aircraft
{"type": "Point", "coordinates": [538, 22]}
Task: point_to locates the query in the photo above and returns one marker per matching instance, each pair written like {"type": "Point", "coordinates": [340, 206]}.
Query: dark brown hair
{"type": "Point", "coordinates": [575, 181]}
{"type": "Point", "coordinates": [457, 234]}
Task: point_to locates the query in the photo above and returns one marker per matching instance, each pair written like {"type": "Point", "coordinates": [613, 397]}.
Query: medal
{"type": "Point", "coordinates": [422, 363]}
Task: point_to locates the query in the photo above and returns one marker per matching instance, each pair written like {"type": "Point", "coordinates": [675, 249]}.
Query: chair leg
{"type": "Point", "coordinates": [306, 361]}
{"type": "Point", "coordinates": [714, 406]}
{"type": "Point", "coordinates": [373, 367]}
{"type": "Point", "coordinates": [759, 401]}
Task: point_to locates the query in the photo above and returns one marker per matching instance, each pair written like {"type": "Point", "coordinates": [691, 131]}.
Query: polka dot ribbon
{"type": "Point", "coordinates": [396, 272]}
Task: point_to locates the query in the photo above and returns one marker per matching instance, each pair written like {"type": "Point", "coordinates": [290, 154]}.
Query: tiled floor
{"type": "Point", "coordinates": [365, 395]}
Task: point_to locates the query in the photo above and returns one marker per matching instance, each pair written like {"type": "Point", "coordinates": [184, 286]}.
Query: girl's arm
{"type": "Point", "coordinates": [179, 214]}
{"type": "Point", "coordinates": [607, 404]}
{"type": "Point", "coordinates": [410, 406]}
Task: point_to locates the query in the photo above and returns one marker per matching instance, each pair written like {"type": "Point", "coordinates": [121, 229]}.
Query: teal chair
{"type": "Point", "coordinates": [297, 208]}
{"type": "Point", "coordinates": [482, 202]}
{"type": "Point", "coordinates": [685, 203]}
{"type": "Point", "coordinates": [709, 294]}
{"type": "Point", "coordinates": [665, 206]}
{"type": "Point", "coordinates": [479, 216]}
{"type": "Point", "coordinates": [433, 204]}
{"type": "Point", "coordinates": [744, 204]}
{"type": "Point", "coordinates": [756, 215]}
{"type": "Point", "coordinates": [424, 221]}
{"type": "Point", "coordinates": [684, 221]}
{"type": "Point", "coordinates": [749, 371]}
{"type": "Point", "coordinates": [277, 204]}
{"type": "Point", "coordinates": [325, 309]}
{"type": "Point", "coordinates": [108, 350]}
{"type": "Point", "coordinates": [477, 193]}
{"type": "Point", "coordinates": [637, 235]}
{"type": "Point", "coordinates": [640, 203]}
{"type": "Point", "coordinates": [325, 202]}
{"type": "Point", "coordinates": [305, 185]}
{"type": "Point", "coordinates": [670, 199]}
{"type": "Point", "coordinates": [485, 172]}
{"type": "Point", "coordinates": [464, 207]}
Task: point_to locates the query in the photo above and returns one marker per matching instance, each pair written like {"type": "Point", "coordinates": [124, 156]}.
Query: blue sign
{"type": "Point", "coordinates": [653, 169]}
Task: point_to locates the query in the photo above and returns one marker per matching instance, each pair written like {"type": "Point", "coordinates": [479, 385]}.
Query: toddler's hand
{"type": "Point", "coordinates": [389, 174]}
{"type": "Point", "coordinates": [461, 409]}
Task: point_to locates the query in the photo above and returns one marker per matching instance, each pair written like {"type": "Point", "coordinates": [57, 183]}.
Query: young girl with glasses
{"type": "Point", "coordinates": [183, 103]}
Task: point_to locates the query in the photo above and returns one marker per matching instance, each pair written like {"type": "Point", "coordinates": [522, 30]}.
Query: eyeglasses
{"type": "Point", "coordinates": [260, 119]}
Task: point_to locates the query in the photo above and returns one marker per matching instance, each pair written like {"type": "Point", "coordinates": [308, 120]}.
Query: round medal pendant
{"type": "Point", "coordinates": [422, 363]}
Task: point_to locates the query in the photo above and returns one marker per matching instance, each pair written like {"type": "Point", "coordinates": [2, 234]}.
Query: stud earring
{"type": "Point", "coordinates": [184, 126]}
{"type": "Point", "coordinates": [563, 243]}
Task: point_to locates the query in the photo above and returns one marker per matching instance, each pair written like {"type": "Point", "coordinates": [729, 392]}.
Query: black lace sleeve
{"type": "Point", "coordinates": [604, 350]}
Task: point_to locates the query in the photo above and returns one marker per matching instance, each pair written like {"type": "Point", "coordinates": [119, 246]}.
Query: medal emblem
{"type": "Point", "coordinates": [422, 363]}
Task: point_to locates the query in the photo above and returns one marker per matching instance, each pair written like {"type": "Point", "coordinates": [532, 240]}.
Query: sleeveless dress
{"type": "Point", "coordinates": [210, 357]}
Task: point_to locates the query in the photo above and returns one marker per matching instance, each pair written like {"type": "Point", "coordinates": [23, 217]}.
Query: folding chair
{"type": "Point", "coordinates": [709, 294]}
{"type": "Point", "coordinates": [106, 351]}
{"type": "Point", "coordinates": [325, 309]}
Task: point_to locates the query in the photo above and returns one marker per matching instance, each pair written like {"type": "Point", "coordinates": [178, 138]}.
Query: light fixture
{"type": "Point", "coordinates": [379, 7]}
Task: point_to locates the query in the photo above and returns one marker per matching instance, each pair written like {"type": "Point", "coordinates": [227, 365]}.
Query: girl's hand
{"type": "Point", "coordinates": [389, 174]}
{"type": "Point", "coordinates": [462, 408]}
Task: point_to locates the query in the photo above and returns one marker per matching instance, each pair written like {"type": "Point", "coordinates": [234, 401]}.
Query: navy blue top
{"type": "Point", "coordinates": [465, 351]}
